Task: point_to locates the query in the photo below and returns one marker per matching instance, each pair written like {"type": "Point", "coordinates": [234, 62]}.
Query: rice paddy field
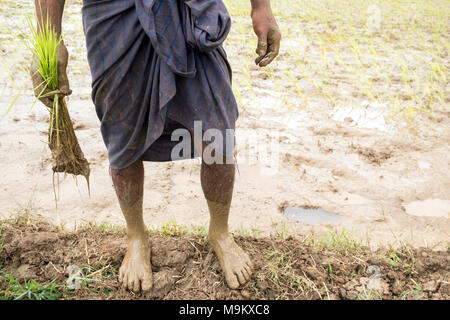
{"type": "Point", "coordinates": [359, 103]}
{"type": "Point", "coordinates": [334, 53]}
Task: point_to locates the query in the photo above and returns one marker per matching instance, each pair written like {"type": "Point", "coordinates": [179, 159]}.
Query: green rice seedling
{"type": "Point", "coordinates": [67, 156]}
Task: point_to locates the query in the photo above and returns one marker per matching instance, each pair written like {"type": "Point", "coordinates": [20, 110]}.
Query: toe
{"type": "Point", "coordinates": [147, 284]}
{"type": "Point", "coordinates": [250, 272]}
{"type": "Point", "coordinates": [240, 276]}
{"type": "Point", "coordinates": [249, 268]}
{"type": "Point", "coordinates": [130, 283]}
{"type": "Point", "coordinates": [250, 264]}
{"type": "Point", "coordinates": [246, 273]}
{"type": "Point", "coordinates": [232, 281]}
{"type": "Point", "coordinates": [125, 281]}
{"type": "Point", "coordinates": [120, 275]}
{"type": "Point", "coordinates": [137, 286]}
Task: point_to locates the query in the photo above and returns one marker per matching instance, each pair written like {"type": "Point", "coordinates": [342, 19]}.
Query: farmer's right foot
{"type": "Point", "coordinates": [135, 274]}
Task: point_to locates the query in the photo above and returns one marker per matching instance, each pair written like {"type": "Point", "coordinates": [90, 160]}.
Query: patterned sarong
{"type": "Point", "coordinates": [157, 65]}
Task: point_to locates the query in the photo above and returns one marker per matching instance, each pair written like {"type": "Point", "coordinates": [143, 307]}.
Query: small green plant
{"type": "Point", "coordinates": [172, 229]}
{"type": "Point", "coordinates": [29, 290]}
{"type": "Point", "coordinates": [401, 259]}
{"type": "Point", "coordinates": [340, 240]}
{"type": "Point", "coordinates": [417, 291]}
{"type": "Point", "coordinates": [108, 226]}
{"type": "Point", "coordinates": [201, 230]}
{"type": "Point", "coordinates": [283, 232]}
{"type": "Point", "coordinates": [2, 243]}
{"type": "Point", "coordinates": [280, 273]}
{"type": "Point", "coordinates": [242, 232]}
{"type": "Point", "coordinates": [255, 231]}
{"type": "Point", "coordinates": [90, 274]}
{"type": "Point", "coordinates": [404, 294]}
{"type": "Point", "coordinates": [369, 294]}
{"type": "Point", "coordinates": [392, 258]}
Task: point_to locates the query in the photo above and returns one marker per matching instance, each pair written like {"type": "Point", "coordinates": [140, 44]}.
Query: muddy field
{"type": "Point", "coordinates": [185, 268]}
{"type": "Point", "coordinates": [355, 114]}
{"type": "Point", "coordinates": [379, 158]}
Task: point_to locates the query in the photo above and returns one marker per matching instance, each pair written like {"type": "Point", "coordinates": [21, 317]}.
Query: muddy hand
{"type": "Point", "coordinates": [39, 85]}
{"type": "Point", "coordinates": [268, 33]}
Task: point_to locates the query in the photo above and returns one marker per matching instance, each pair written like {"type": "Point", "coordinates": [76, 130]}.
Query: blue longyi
{"type": "Point", "coordinates": [157, 65]}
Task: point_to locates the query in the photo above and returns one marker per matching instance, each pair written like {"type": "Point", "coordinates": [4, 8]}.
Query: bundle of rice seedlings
{"type": "Point", "coordinates": [67, 156]}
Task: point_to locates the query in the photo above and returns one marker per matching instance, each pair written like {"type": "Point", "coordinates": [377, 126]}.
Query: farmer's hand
{"type": "Point", "coordinates": [268, 33]}
{"type": "Point", "coordinates": [63, 81]}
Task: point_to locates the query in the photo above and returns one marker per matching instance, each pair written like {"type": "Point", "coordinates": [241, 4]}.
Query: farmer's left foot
{"type": "Point", "coordinates": [135, 274]}
{"type": "Point", "coordinates": [234, 261]}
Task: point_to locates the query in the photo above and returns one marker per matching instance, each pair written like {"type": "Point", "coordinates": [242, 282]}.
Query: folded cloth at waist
{"type": "Point", "coordinates": [156, 59]}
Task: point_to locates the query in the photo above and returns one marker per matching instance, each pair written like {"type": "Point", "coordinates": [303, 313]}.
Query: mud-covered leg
{"type": "Point", "coordinates": [135, 273]}
{"type": "Point", "coordinates": [217, 183]}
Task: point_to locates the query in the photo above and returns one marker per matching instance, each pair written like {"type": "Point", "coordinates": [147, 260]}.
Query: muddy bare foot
{"type": "Point", "coordinates": [234, 261]}
{"type": "Point", "coordinates": [135, 274]}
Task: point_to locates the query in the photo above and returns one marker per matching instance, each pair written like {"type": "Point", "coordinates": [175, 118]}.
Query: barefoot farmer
{"type": "Point", "coordinates": [158, 66]}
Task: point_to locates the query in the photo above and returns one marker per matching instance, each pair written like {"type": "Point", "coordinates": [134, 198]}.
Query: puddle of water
{"type": "Point", "coordinates": [311, 216]}
{"type": "Point", "coordinates": [429, 208]}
